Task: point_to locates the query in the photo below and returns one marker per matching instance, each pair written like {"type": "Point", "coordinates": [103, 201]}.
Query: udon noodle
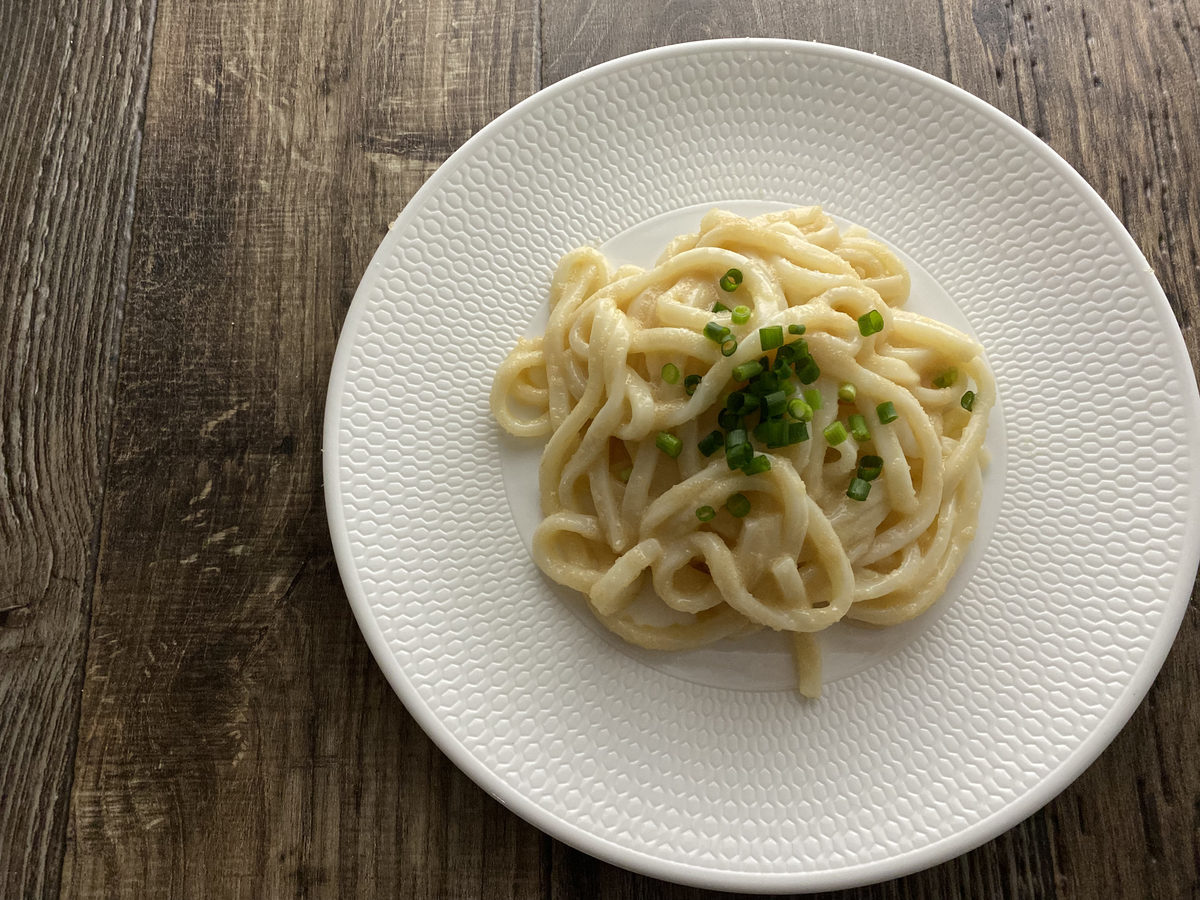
{"type": "Point", "coordinates": [871, 425]}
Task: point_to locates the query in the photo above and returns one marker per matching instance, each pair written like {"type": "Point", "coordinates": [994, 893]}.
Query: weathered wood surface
{"type": "Point", "coordinates": [186, 707]}
{"type": "Point", "coordinates": [72, 84]}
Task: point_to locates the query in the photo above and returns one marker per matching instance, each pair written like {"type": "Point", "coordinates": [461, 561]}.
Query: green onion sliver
{"type": "Point", "coordinates": [946, 379]}
{"type": "Point", "coordinates": [764, 383]}
{"type": "Point", "coordinates": [738, 505]}
{"type": "Point", "coordinates": [738, 401]}
{"type": "Point", "coordinates": [807, 370]}
{"type": "Point", "coordinates": [729, 347]}
{"type": "Point", "coordinates": [799, 410]}
{"type": "Point", "coordinates": [690, 383]}
{"type": "Point", "coordinates": [858, 489]}
{"type": "Point", "coordinates": [747, 370]}
{"type": "Point", "coordinates": [797, 432]}
{"type": "Point", "coordinates": [738, 451]}
{"type": "Point", "coordinates": [813, 398]}
{"type": "Point", "coordinates": [886, 412]}
{"type": "Point", "coordinates": [668, 443]}
{"type": "Point", "coordinates": [968, 401]}
{"type": "Point", "coordinates": [858, 428]}
{"type": "Point", "coordinates": [623, 474]}
{"type": "Point", "coordinates": [741, 315]}
{"type": "Point", "coordinates": [757, 466]}
{"type": "Point", "coordinates": [774, 404]}
{"type": "Point", "coordinates": [870, 323]}
{"type": "Point", "coordinates": [847, 392]}
{"type": "Point", "coordinates": [670, 373]}
{"type": "Point", "coordinates": [706, 514]}
{"type": "Point", "coordinates": [720, 307]}
{"type": "Point", "coordinates": [776, 434]}
{"type": "Point", "coordinates": [711, 443]}
{"type": "Point", "coordinates": [716, 332]}
{"type": "Point", "coordinates": [795, 329]}
{"type": "Point", "coordinates": [771, 337]}
{"type": "Point", "coordinates": [870, 467]}
{"type": "Point", "coordinates": [728, 419]}
{"type": "Point", "coordinates": [730, 280]}
{"type": "Point", "coordinates": [835, 433]}
{"type": "Point", "coordinates": [739, 456]}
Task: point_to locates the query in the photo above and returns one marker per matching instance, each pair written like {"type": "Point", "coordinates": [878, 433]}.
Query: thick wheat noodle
{"type": "Point", "coordinates": [806, 556]}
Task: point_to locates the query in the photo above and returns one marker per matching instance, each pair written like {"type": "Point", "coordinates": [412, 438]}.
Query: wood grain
{"type": "Point", "coordinates": [234, 737]}
{"type": "Point", "coordinates": [72, 83]}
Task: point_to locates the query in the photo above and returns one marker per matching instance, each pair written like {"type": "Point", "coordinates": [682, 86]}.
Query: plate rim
{"type": "Point", "coordinates": [640, 861]}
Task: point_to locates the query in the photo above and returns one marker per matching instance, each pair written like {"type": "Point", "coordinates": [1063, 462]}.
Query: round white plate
{"type": "Point", "coordinates": [703, 768]}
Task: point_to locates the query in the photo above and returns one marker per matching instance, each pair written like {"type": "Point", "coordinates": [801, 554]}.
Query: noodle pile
{"type": "Point", "coordinates": [619, 509]}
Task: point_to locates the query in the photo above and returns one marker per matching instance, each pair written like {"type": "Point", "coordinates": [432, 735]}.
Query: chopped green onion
{"type": "Point", "coordinates": [777, 434]}
{"type": "Point", "coordinates": [835, 433]}
{"type": "Point", "coordinates": [729, 347]}
{"type": "Point", "coordinates": [858, 489]}
{"type": "Point", "coordinates": [886, 412]}
{"type": "Point", "coordinates": [799, 410]}
{"type": "Point", "coordinates": [623, 474]}
{"type": "Point", "coordinates": [847, 392]}
{"type": "Point", "coordinates": [738, 505]}
{"type": "Point", "coordinates": [670, 373]}
{"type": "Point", "coordinates": [946, 379]}
{"type": "Point", "coordinates": [774, 404]}
{"type": "Point", "coordinates": [757, 466]}
{"type": "Point", "coordinates": [711, 443]}
{"type": "Point", "coordinates": [760, 432]}
{"type": "Point", "coordinates": [735, 437]}
{"type": "Point", "coordinates": [795, 329]}
{"type": "Point", "coordinates": [747, 370]}
{"type": "Point", "coordinates": [738, 401]}
{"type": "Point", "coordinates": [813, 398]}
{"type": "Point", "coordinates": [668, 443]}
{"type": "Point", "coordinates": [787, 353]}
{"type": "Point", "coordinates": [706, 514]}
{"type": "Point", "coordinates": [720, 307]}
{"type": "Point", "coordinates": [858, 428]}
{"type": "Point", "coordinates": [716, 332]}
{"type": "Point", "coordinates": [771, 337]}
{"type": "Point", "coordinates": [741, 315]}
{"type": "Point", "coordinates": [738, 456]}
{"type": "Point", "coordinates": [807, 370]}
{"type": "Point", "coordinates": [690, 383]}
{"type": "Point", "coordinates": [797, 432]}
{"type": "Point", "coordinates": [870, 323]}
{"type": "Point", "coordinates": [870, 467]}
{"type": "Point", "coordinates": [728, 419]}
{"type": "Point", "coordinates": [968, 401]}
{"type": "Point", "coordinates": [730, 280]}
{"type": "Point", "coordinates": [764, 384]}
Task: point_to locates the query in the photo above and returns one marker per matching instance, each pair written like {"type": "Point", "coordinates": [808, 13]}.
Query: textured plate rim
{"type": "Point", "coordinates": [851, 876]}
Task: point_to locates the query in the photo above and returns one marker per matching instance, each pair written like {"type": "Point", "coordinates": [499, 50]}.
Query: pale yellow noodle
{"type": "Point", "coordinates": [620, 513]}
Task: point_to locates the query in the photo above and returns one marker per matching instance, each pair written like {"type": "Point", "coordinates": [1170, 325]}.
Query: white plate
{"type": "Point", "coordinates": [702, 768]}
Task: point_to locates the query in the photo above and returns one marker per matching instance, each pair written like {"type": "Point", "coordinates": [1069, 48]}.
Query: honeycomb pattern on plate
{"type": "Point", "coordinates": [996, 695]}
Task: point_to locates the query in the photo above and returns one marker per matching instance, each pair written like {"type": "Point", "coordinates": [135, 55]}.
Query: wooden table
{"type": "Point", "coordinates": [190, 192]}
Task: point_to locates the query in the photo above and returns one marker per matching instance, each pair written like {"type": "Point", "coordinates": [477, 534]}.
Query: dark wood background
{"type": "Point", "coordinates": [189, 192]}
